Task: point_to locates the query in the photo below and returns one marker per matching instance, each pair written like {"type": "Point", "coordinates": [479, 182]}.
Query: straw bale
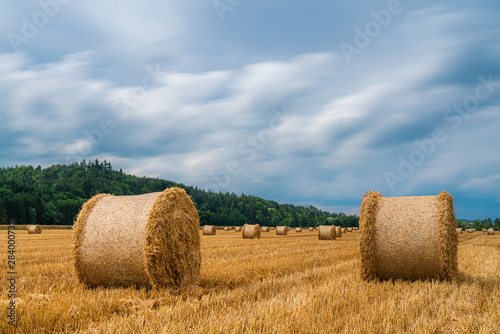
{"type": "Point", "coordinates": [311, 228]}
{"type": "Point", "coordinates": [344, 230]}
{"type": "Point", "coordinates": [209, 230]}
{"type": "Point", "coordinates": [410, 237]}
{"type": "Point", "coordinates": [265, 229]}
{"type": "Point", "coordinates": [34, 229]}
{"type": "Point", "coordinates": [272, 228]}
{"type": "Point", "coordinates": [145, 240]}
{"type": "Point", "coordinates": [281, 230]}
{"type": "Point", "coordinates": [491, 231]}
{"type": "Point", "coordinates": [338, 232]}
{"type": "Point", "coordinates": [288, 228]}
{"type": "Point", "coordinates": [470, 230]}
{"type": "Point", "coordinates": [251, 231]}
{"type": "Point", "coordinates": [227, 228]}
{"type": "Point", "coordinates": [326, 232]}
{"type": "Point", "coordinates": [349, 229]}
{"type": "Point", "coordinates": [459, 230]}
{"type": "Point", "coordinates": [237, 229]}
{"type": "Point", "coordinates": [298, 229]}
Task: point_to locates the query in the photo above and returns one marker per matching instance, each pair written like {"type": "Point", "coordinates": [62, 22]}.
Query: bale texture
{"type": "Point", "coordinates": [145, 240]}
{"type": "Point", "coordinates": [34, 229]}
{"type": "Point", "coordinates": [209, 230]}
{"type": "Point", "coordinates": [491, 231]}
{"type": "Point", "coordinates": [237, 229]}
{"type": "Point", "coordinates": [338, 231]}
{"type": "Point", "coordinates": [281, 230]}
{"type": "Point", "coordinates": [265, 229]}
{"type": "Point", "coordinates": [408, 237]}
{"type": "Point", "coordinates": [251, 231]}
{"type": "Point", "coordinates": [459, 230]}
{"type": "Point", "coordinates": [298, 229]}
{"type": "Point", "coordinates": [326, 232]}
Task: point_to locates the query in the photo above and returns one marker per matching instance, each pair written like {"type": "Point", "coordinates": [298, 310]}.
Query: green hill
{"type": "Point", "coordinates": [54, 196]}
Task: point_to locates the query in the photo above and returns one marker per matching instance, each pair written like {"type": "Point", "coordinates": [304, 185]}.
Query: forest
{"type": "Point", "coordinates": [54, 196]}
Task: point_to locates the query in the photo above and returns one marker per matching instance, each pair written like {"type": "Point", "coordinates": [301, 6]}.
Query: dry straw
{"type": "Point", "coordinates": [298, 229]}
{"type": "Point", "coordinates": [408, 237]}
{"type": "Point", "coordinates": [459, 230]}
{"type": "Point", "coordinates": [272, 228]}
{"type": "Point", "coordinates": [209, 230]}
{"type": "Point", "coordinates": [491, 231]}
{"type": "Point", "coordinates": [145, 240]}
{"type": "Point", "coordinates": [281, 230]}
{"type": "Point", "coordinates": [288, 228]}
{"type": "Point", "coordinates": [227, 228]}
{"type": "Point", "coordinates": [344, 230]}
{"type": "Point", "coordinates": [265, 229]}
{"type": "Point", "coordinates": [349, 229]}
{"type": "Point", "coordinates": [237, 229]}
{"type": "Point", "coordinates": [251, 231]}
{"type": "Point", "coordinates": [34, 229]}
{"type": "Point", "coordinates": [338, 231]}
{"type": "Point", "coordinates": [311, 228]}
{"type": "Point", "coordinates": [326, 232]}
{"type": "Point", "coordinates": [470, 230]}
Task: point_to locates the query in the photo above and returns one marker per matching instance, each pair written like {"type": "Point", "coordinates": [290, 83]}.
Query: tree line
{"type": "Point", "coordinates": [54, 196]}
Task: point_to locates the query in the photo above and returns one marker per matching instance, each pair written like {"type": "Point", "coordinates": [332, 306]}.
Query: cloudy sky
{"type": "Point", "coordinates": [311, 102]}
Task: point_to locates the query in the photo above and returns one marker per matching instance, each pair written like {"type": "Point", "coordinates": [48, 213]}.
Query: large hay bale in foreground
{"type": "Point", "coordinates": [298, 229]}
{"type": "Point", "coordinates": [408, 237]}
{"type": "Point", "coordinates": [251, 231]}
{"type": "Point", "coordinates": [265, 229]}
{"type": "Point", "coordinates": [34, 229]}
{"type": "Point", "coordinates": [209, 230]}
{"type": "Point", "coordinates": [491, 231]}
{"type": "Point", "coordinates": [145, 240]}
{"type": "Point", "coordinates": [459, 230]}
{"type": "Point", "coordinates": [237, 229]}
{"type": "Point", "coordinates": [281, 230]}
{"type": "Point", "coordinates": [326, 232]}
{"type": "Point", "coordinates": [338, 232]}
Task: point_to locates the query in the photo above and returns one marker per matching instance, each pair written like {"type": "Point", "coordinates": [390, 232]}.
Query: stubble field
{"type": "Point", "coordinates": [276, 284]}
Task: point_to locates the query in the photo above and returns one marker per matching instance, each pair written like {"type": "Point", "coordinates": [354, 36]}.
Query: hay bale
{"type": "Point", "coordinates": [288, 228]}
{"type": "Point", "coordinates": [338, 231]}
{"type": "Point", "coordinates": [349, 229]}
{"type": "Point", "coordinates": [237, 229]}
{"type": "Point", "coordinates": [298, 229]}
{"type": "Point", "coordinates": [34, 229]}
{"type": "Point", "coordinates": [326, 232]}
{"type": "Point", "coordinates": [491, 231]}
{"type": "Point", "coordinates": [227, 228]}
{"type": "Point", "coordinates": [272, 228]}
{"type": "Point", "coordinates": [311, 228]}
{"type": "Point", "coordinates": [209, 230]}
{"type": "Point", "coordinates": [459, 230]}
{"type": "Point", "coordinates": [469, 230]}
{"type": "Point", "coordinates": [251, 231]}
{"type": "Point", "coordinates": [483, 230]}
{"type": "Point", "coordinates": [408, 237]}
{"type": "Point", "coordinates": [265, 229]}
{"type": "Point", "coordinates": [344, 230]}
{"type": "Point", "coordinates": [145, 240]}
{"type": "Point", "coordinates": [281, 230]}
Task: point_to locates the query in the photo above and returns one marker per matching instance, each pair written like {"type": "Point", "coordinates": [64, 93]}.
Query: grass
{"type": "Point", "coordinates": [276, 284]}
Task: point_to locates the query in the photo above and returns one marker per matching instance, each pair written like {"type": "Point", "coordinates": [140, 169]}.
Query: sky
{"type": "Point", "coordinates": [309, 103]}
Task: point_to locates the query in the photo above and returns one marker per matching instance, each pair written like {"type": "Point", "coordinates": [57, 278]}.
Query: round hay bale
{"type": "Point", "coordinates": [281, 230]}
{"type": "Point", "coordinates": [34, 229]}
{"type": "Point", "coordinates": [344, 230]}
{"type": "Point", "coordinates": [311, 228]}
{"type": "Point", "coordinates": [209, 230]}
{"type": "Point", "coordinates": [469, 230]}
{"type": "Point", "coordinates": [338, 232]}
{"type": "Point", "coordinates": [298, 229]}
{"type": "Point", "coordinates": [237, 229]}
{"type": "Point", "coordinates": [251, 231]}
{"type": "Point", "coordinates": [272, 228]}
{"type": "Point", "coordinates": [408, 237]}
{"type": "Point", "coordinates": [459, 230]}
{"type": "Point", "coordinates": [145, 240]}
{"type": "Point", "coordinates": [265, 229]}
{"type": "Point", "coordinates": [288, 228]}
{"type": "Point", "coordinates": [326, 232]}
{"type": "Point", "coordinates": [349, 229]}
{"type": "Point", "coordinates": [227, 228]}
{"type": "Point", "coordinates": [491, 231]}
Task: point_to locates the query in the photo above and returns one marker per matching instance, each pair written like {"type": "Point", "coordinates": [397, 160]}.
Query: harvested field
{"type": "Point", "coordinates": [276, 284]}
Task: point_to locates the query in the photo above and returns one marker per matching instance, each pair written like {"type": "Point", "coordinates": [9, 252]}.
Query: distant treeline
{"type": "Point", "coordinates": [54, 196]}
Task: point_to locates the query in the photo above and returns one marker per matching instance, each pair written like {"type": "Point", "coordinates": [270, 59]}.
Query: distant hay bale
{"type": "Point", "coordinates": [251, 231]}
{"type": "Point", "coordinates": [227, 228]}
{"type": "Point", "coordinates": [272, 228]}
{"type": "Point", "coordinates": [469, 230]}
{"type": "Point", "coordinates": [209, 230]}
{"type": "Point", "coordinates": [265, 229]}
{"type": "Point", "coordinates": [146, 240]}
{"type": "Point", "coordinates": [344, 230]}
{"type": "Point", "coordinates": [288, 228]}
{"type": "Point", "coordinates": [281, 230]}
{"type": "Point", "coordinates": [311, 228]}
{"type": "Point", "coordinates": [298, 229]}
{"type": "Point", "coordinates": [338, 232]}
{"type": "Point", "coordinates": [34, 229]}
{"type": "Point", "coordinates": [349, 229]}
{"type": "Point", "coordinates": [326, 232]}
{"type": "Point", "coordinates": [237, 229]}
{"type": "Point", "coordinates": [408, 237]}
{"type": "Point", "coordinates": [491, 231]}
{"type": "Point", "coordinates": [459, 230]}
